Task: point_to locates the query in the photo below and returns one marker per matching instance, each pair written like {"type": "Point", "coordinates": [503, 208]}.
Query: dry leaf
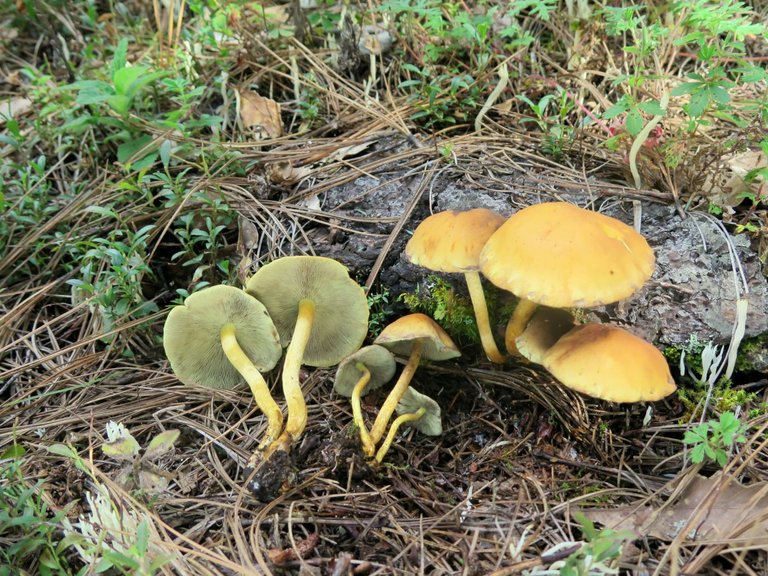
{"type": "Point", "coordinates": [346, 151]}
{"type": "Point", "coordinates": [726, 188]}
{"type": "Point", "coordinates": [14, 108]}
{"type": "Point", "coordinates": [285, 173]}
{"type": "Point", "coordinates": [303, 548]}
{"type": "Point", "coordinates": [736, 511]}
{"type": "Point", "coordinates": [261, 114]}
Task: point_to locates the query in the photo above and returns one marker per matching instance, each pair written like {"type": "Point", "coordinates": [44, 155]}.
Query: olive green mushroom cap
{"type": "Point", "coordinates": [451, 241]}
{"type": "Point", "coordinates": [341, 308]}
{"type": "Point", "coordinates": [192, 336]}
{"type": "Point", "coordinates": [608, 362]}
{"type": "Point", "coordinates": [379, 361]}
{"type": "Point", "coordinates": [546, 326]}
{"type": "Point", "coordinates": [400, 336]}
{"type": "Point", "coordinates": [430, 423]}
{"type": "Point", "coordinates": [557, 254]}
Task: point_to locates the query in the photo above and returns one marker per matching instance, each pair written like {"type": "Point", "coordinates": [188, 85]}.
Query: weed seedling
{"type": "Point", "coordinates": [715, 439]}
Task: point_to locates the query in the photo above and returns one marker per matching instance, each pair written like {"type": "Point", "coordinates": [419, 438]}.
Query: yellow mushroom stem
{"type": "Point", "coordinates": [294, 396]}
{"type": "Point", "coordinates": [517, 323]}
{"type": "Point", "coordinates": [256, 382]}
{"type": "Point", "coordinates": [399, 421]}
{"type": "Point", "coordinates": [357, 412]}
{"type": "Point", "coordinates": [477, 296]}
{"type": "Point", "coordinates": [388, 408]}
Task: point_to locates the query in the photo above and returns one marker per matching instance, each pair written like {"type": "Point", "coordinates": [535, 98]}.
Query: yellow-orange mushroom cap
{"type": "Point", "coordinates": [608, 362]}
{"type": "Point", "coordinates": [560, 255]}
{"type": "Point", "coordinates": [452, 242]}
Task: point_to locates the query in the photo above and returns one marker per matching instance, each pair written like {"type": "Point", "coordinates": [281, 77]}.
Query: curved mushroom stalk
{"type": "Point", "coordinates": [388, 408]}
{"type": "Point", "coordinates": [220, 337]}
{"type": "Point", "coordinates": [418, 410]}
{"type": "Point", "coordinates": [256, 383]}
{"type": "Point", "coordinates": [399, 421]}
{"type": "Point", "coordinates": [517, 323]}
{"type": "Point", "coordinates": [359, 373]}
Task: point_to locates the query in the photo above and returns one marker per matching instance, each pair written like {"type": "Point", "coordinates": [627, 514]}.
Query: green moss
{"type": "Point", "coordinates": [749, 347]}
{"type": "Point", "coordinates": [453, 311]}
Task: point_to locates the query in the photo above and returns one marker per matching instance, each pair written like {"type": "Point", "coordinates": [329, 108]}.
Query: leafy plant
{"type": "Point", "coordinates": [29, 530]}
{"type": "Point", "coordinates": [139, 470]}
{"type": "Point", "coordinates": [715, 439]}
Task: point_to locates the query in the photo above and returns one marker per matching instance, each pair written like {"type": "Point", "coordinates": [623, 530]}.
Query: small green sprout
{"type": "Point", "coordinates": [715, 439]}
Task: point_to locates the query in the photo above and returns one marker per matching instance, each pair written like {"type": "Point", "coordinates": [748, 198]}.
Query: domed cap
{"type": "Point", "coordinates": [380, 363]}
{"type": "Point", "coordinates": [452, 241]}
{"type": "Point", "coordinates": [430, 423]}
{"type": "Point", "coordinates": [546, 326]}
{"type": "Point", "coordinates": [400, 336]}
{"type": "Point", "coordinates": [192, 336]}
{"type": "Point", "coordinates": [341, 308]}
{"type": "Point", "coordinates": [610, 363]}
{"type": "Point", "coordinates": [560, 255]}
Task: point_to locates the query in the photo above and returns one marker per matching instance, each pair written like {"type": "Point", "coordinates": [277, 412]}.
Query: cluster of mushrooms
{"type": "Point", "coordinates": [223, 335]}
{"type": "Point", "coordinates": [554, 257]}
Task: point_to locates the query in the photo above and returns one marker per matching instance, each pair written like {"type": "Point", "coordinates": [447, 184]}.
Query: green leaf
{"type": "Point", "coordinates": [124, 79]}
{"type": "Point", "coordinates": [120, 57]}
{"type": "Point", "coordinates": [634, 122]}
{"type": "Point", "coordinates": [652, 107]}
{"type": "Point", "coordinates": [15, 452]}
{"type": "Point", "coordinates": [684, 88]}
{"type": "Point", "coordinates": [165, 153]}
{"type": "Point", "coordinates": [128, 149]}
{"type": "Point", "coordinates": [161, 444]}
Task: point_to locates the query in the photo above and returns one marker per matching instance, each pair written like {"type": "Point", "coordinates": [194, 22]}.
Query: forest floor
{"type": "Point", "coordinates": [145, 157]}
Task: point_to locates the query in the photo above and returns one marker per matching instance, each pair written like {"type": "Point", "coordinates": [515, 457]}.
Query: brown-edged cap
{"type": "Point", "coordinates": [341, 308]}
{"type": "Point", "coordinates": [560, 255]}
{"type": "Point", "coordinates": [400, 336]}
{"type": "Point", "coordinates": [546, 326]}
{"type": "Point", "coordinates": [377, 359]}
{"type": "Point", "coordinates": [430, 423]}
{"type": "Point", "coordinates": [452, 241]}
{"type": "Point", "coordinates": [610, 363]}
{"type": "Point", "coordinates": [192, 336]}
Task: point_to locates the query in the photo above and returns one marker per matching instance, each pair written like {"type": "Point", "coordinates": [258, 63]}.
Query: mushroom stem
{"type": "Point", "coordinates": [388, 408]}
{"type": "Point", "coordinates": [294, 396]}
{"type": "Point", "coordinates": [517, 323]}
{"type": "Point", "coordinates": [399, 421]}
{"type": "Point", "coordinates": [255, 381]}
{"type": "Point", "coordinates": [357, 412]}
{"type": "Point", "coordinates": [477, 296]}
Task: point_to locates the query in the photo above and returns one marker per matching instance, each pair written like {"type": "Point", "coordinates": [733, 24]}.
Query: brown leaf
{"type": "Point", "coordinates": [14, 108]}
{"type": "Point", "coordinates": [285, 173]}
{"type": "Point", "coordinates": [281, 556]}
{"type": "Point", "coordinates": [735, 511]}
{"type": "Point", "coordinates": [261, 114]}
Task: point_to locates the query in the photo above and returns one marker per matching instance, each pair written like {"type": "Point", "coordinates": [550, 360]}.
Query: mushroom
{"type": "Point", "coordinates": [418, 337]}
{"type": "Point", "coordinates": [220, 337]}
{"type": "Point", "coordinates": [608, 362]}
{"type": "Point", "coordinates": [451, 242]}
{"type": "Point", "coordinates": [359, 373]}
{"type": "Point", "coordinates": [320, 313]}
{"type": "Point", "coordinates": [546, 326]}
{"type": "Point", "coordinates": [560, 255]}
{"type": "Point", "coordinates": [417, 409]}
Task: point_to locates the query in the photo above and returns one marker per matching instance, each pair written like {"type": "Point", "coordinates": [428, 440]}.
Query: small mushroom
{"type": "Point", "coordinates": [417, 337]}
{"type": "Point", "coordinates": [418, 410]}
{"type": "Point", "coordinates": [359, 373]}
{"type": "Point", "coordinates": [452, 242]}
{"type": "Point", "coordinates": [557, 254]}
{"type": "Point", "coordinates": [320, 313]}
{"type": "Point", "coordinates": [546, 326]}
{"type": "Point", "coordinates": [220, 337]}
{"type": "Point", "coordinates": [608, 362]}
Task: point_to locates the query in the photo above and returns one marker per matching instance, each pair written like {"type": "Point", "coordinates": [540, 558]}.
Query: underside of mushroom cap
{"type": "Point", "coordinates": [608, 362]}
{"type": "Point", "coordinates": [560, 255]}
{"type": "Point", "coordinates": [192, 336]}
{"type": "Point", "coordinates": [341, 309]}
{"type": "Point", "coordinates": [379, 362]}
{"type": "Point", "coordinates": [430, 423]}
